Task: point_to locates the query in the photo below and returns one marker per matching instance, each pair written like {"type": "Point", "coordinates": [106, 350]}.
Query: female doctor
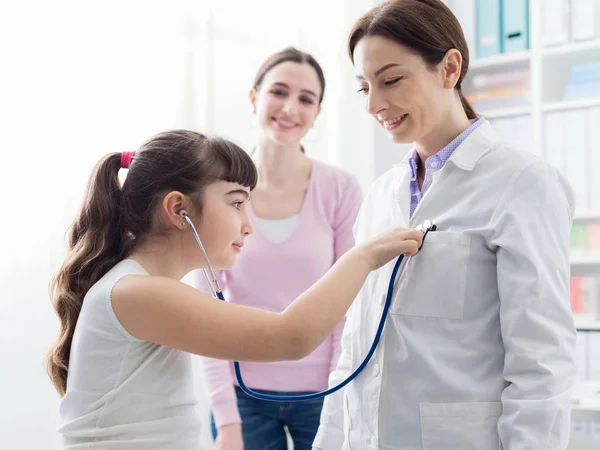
{"type": "Point", "coordinates": [479, 348]}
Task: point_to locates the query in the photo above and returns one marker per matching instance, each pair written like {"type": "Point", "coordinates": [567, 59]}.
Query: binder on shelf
{"type": "Point", "coordinates": [578, 237]}
{"type": "Point", "coordinates": [576, 160]}
{"type": "Point", "coordinates": [591, 298]}
{"type": "Point", "coordinates": [524, 132]}
{"type": "Point", "coordinates": [593, 237]}
{"type": "Point", "coordinates": [554, 139]}
{"type": "Point", "coordinates": [515, 25]}
{"type": "Point", "coordinates": [576, 291]}
{"type": "Point", "coordinates": [488, 28]}
{"type": "Point", "coordinates": [594, 356]}
{"type": "Point", "coordinates": [580, 428]}
{"type": "Point", "coordinates": [594, 154]}
{"type": "Point", "coordinates": [464, 10]}
{"type": "Point", "coordinates": [581, 349]}
{"type": "Point", "coordinates": [583, 19]}
{"type": "Point", "coordinates": [517, 131]}
{"type": "Point", "coordinates": [555, 28]}
{"type": "Point", "coordinates": [584, 82]}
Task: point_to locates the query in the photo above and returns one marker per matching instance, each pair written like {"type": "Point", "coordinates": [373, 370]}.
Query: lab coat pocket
{"type": "Point", "coordinates": [433, 282]}
{"type": "Point", "coordinates": [460, 426]}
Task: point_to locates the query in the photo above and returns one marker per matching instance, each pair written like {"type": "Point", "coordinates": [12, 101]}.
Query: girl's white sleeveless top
{"type": "Point", "coordinates": [123, 392]}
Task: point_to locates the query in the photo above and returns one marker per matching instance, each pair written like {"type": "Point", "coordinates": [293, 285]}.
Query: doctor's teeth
{"type": "Point", "coordinates": [396, 120]}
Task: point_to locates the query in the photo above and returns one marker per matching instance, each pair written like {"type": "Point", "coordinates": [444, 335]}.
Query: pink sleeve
{"type": "Point", "coordinates": [345, 216]}
{"type": "Point", "coordinates": [218, 376]}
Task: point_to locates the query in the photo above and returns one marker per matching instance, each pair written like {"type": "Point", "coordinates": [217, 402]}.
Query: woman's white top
{"type": "Point", "coordinates": [123, 392]}
{"type": "Point", "coordinates": [277, 230]}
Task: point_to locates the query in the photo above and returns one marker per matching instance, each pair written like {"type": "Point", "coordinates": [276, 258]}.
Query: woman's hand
{"type": "Point", "coordinates": [229, 437]}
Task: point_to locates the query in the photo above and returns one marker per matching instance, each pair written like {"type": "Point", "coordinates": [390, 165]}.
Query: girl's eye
{"type": "Point", "coordinates": [364, 90]}
{"type": "Point", "coordinates": [237, 205]}
{"type": "Point", "coordinates": [278, 93]}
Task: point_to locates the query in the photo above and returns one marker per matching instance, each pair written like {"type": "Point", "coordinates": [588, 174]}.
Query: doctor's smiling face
{"type": "Point", "coordinates": [407, 96]}
{"type": "Point", "coordinates": [410, 58]}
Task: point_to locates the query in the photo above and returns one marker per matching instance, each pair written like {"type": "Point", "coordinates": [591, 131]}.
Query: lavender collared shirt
{"type": "Point", "coordinates": [434, 163]}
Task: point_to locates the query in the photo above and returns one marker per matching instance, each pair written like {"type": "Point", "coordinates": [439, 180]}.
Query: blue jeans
{"type": "Point", "coordinates": [263, 421]}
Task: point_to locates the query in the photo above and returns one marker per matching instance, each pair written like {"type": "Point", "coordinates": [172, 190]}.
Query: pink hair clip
{"type": "Point", "coordinates": [126, 158]}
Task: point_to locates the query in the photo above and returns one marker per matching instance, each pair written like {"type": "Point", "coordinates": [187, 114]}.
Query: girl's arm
{"type": "Point", "coordinates": [176, 315]}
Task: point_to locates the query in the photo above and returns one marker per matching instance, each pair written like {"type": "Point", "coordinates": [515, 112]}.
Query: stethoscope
{"type": "Point", "coordinates": [216, 292]}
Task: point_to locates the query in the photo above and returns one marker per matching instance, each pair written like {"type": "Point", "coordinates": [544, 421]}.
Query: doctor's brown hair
{"type": "Point", "coordinates": [113, 218]}
{"type": "Point", "coordinates": [427, 27]}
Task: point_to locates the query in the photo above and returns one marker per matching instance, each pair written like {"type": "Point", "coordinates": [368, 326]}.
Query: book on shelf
{"type": "Point", "coordinates": [584, 82]}
{"type": "Point", "coordinates": [500, 90]}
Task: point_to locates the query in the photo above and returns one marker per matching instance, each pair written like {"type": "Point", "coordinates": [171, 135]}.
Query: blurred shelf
{"type": "Point", "coordinates": [586, 323]}
{"type": "Point", "coordinates": [585, 263]}
{"type": "Point", "coordinates": [585, 217]}
{"type": "Point", "coordinates": [585, 401]}
{"type": "Point", "coordinates": [571, 104]}
{"type": "Point", "coordinates": [572, 48]}
{"type": "Point", "coordinates": [586, 412]}
{"type": "Point", "coordinates": [504, 59]}
{"type": "Point", "coordinates": [505, 112]}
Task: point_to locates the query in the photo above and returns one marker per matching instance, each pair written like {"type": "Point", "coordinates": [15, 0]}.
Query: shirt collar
{"type": "Point", "coordinates": [483, 138]}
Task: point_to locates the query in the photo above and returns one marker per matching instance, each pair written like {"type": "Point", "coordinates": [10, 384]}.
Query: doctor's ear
{"type": "Point", "coordinates": [172, 205]}
{"type": "Point", "coordinates": [451, 67]}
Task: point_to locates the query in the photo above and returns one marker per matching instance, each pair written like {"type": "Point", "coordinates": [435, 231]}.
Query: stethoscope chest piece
{"type": "Point", "coordinates": [425, 228]}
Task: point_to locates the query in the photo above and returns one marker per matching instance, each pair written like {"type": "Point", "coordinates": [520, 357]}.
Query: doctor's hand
{"type": "Point", "coordinates": [229, 437]}
{"type": "Point", "coordinates": [394, 242]}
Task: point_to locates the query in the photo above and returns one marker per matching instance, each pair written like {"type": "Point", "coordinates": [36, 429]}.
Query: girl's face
{"type": "Point", "coordinates": [224, 224]}
{"type": "Point", "coordinates": [408, 99]}
{"type": "Point", "coordinates": [287, 102]}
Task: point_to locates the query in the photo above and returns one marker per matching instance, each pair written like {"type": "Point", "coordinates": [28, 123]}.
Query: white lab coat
{"type": "Point", "coordinates": [479, 348]}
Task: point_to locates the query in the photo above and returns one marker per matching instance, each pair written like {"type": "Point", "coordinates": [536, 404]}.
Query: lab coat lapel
{"type": "Point", "coordinates": [465, 158]}
{"type": "Point", "coordinates": [398, 199]}
{"type": "Point", "coordinates": [401, 195]}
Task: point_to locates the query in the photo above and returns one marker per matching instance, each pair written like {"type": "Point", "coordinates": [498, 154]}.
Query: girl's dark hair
{"type": "Point", "coordinates": [293, 55]}
{"type": "Point", "coordinates": [113, 218]}
{"type": "Point", "coordinates": [427, 27]}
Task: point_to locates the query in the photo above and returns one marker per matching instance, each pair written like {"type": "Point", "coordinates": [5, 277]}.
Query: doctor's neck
{"type": "Point", "coordinates": [280, 164]}
{"type": "Point", "coordinates": [445, 129]}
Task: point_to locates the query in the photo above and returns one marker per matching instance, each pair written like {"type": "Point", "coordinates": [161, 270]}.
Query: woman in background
{"type": "Point", "coordinates": [297, 201]}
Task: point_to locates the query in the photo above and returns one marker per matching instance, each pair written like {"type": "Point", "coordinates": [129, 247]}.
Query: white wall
{"type": "Point", "coordinates": [78, 81]}
{"type": "Point", "coordinates": [81, 79]}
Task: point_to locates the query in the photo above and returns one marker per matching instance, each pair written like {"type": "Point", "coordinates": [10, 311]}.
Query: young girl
{"type": "Point", "coordinates": [128, 324]}
{"type": "Point", "coordinates": [296, 200]}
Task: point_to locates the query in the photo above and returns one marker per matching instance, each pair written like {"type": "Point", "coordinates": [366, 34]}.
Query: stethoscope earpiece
{"type": "Point", "coordinates": [209, 273]}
